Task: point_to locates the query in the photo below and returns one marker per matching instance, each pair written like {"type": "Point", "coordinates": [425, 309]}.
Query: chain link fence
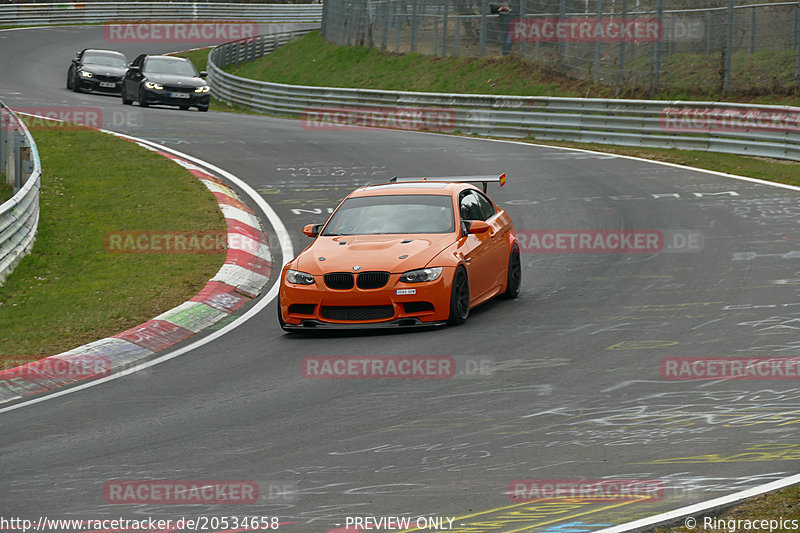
{"type": "Point", "coordinates": [713, 45]}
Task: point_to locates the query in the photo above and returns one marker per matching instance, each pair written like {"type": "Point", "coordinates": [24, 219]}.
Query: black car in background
{"type": "Point", "coordinates": [153, 79]}
{"type": "Point", "coordinates": [98, 71]}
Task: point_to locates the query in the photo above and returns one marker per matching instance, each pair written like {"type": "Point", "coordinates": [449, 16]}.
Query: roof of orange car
{"type": "Point", "coordinates": [412, 187]}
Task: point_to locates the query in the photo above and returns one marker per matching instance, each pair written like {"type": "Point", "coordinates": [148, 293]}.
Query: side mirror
{"type": "Point", "coordinates": [312, 230]}
{"type": "Point", "coordinates": [478, 226]}
{"type": "Point", "coordinates": [203, 73]}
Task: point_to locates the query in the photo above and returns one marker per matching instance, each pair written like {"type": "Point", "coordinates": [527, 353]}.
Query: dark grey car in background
{"type": "Point", "coordinates": [97, 71]}
{"type": "Point", "coordinates": [154, 79]}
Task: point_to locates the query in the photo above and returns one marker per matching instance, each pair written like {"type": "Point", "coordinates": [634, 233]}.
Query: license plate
{"type": "Point", "coordinates": [107, 84]}
{"type": "Point", "coordinates": [179, 95]}
{"type": "Point", "coordinates": [400, 292]}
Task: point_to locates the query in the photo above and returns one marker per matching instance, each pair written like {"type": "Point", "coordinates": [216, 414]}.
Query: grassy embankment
{"type": "Point", "coordinates": [70, 290]}
{"type": "Point", "coordinates": [310, 60]}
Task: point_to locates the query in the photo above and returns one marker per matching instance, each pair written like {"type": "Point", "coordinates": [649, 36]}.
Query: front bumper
{"type": "Point", "coordinates": [166, 97]}
{"type": "Point", "coordinates": [103, 86]}
{"type": "Point", "coordinates": [317, 306]}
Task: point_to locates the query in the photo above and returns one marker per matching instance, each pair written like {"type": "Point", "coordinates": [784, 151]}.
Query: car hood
{"type": "Point", "coordinates": [172, 79]}
{"type": "Point", "coordinates": [392, 253]}
{"type": "Point", "coordinates": [105, 70]}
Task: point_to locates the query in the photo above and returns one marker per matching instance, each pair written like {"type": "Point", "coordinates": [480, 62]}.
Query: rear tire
{"type": "Point", "coordinates": [514, 281]}
{"type": "Point", "coordinates": [459, 298]}
{"type": "Point", "coordinates": [184, 107]}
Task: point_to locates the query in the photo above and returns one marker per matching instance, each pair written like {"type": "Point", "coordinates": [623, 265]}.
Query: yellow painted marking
{"type": "Point", "coordinates": [534, 515]}
{"type": "Point", "coordinates": [641, 345]}
{"type": "Point", "coordinates": [760, 452]}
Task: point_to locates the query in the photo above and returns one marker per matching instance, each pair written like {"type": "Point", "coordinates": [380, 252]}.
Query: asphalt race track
{"type": "Point", "coordinates": [564, 383]}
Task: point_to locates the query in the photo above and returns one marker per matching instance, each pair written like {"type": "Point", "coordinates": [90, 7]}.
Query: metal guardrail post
{"type": "Point", "coordinates": [5, 117]}
{"type": "Point", "coordinates": [797, 43]}
{"type": "Point", "coordinates": [622, 47]}
{"type": "Point", "coordinates": [709, 32]}
{"type": "Point", "coordinates": [596, 74]}
{"type": "Point", "coordinates": [522, 11]}
{"type": "Point", "coordinates": [726, 76]}
{"type": "Point", "coordinates": [385, 27]}
{"type": "Point", "coordinates": [445, 17]}
{"type": "Point", "coordinates": [414, 24]}
{"type": "Point", "coordinates": [657, 48]}
{"type": "Point", "coordinates": [457, 38]}
{"type": "Point", "coordinates": [484, 15]}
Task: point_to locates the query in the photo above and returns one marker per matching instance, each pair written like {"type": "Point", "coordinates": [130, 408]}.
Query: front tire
{"type": "Point", "coordinates": [142, 99]}
{"type": "Point", "coordinates": [514, 281]}
{"type": "Point", "coordinates": [75, 83]}
{"type": "Point", "coordinates": [125, 99]}
{"type": "Point", "coordinates": [202, 108]}
{"type": "Point", "coordinates": [280, 317]}
{"type": "Point", "coordinates": [459, 298]}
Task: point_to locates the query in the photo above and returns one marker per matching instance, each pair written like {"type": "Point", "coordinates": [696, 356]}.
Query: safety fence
{"type": "Point", "coordinates": [20, 168]}
{"type": "Point", "coordinates": [98, 12]}
{"type": "Point", "coordinates": [760, 130]}
{"type": "Point", "coordinates": [716, 45]}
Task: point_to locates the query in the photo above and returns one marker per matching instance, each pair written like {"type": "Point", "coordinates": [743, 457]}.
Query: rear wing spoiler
{"type": "Point", "coordinates": [485, 180]}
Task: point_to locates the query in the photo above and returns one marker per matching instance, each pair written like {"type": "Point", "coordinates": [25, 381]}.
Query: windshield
{"type": "Point", "coordinates": [104, 59]}
{"type": "Point", "coordinates": [163, 65]}
{"type": "Point", "coordinates": [411, 213]}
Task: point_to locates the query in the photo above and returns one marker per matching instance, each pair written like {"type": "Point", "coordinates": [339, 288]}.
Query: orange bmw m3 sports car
{"type": "Point", "coordinates": [411, 252]}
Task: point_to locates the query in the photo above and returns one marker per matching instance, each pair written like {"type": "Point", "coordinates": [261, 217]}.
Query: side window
{"type": "Point", "coordinates": [486, 206]}
{"type": "Point", "coordinates": [139, 61]}
{"type": "Point", "coordinates": [469, 207]}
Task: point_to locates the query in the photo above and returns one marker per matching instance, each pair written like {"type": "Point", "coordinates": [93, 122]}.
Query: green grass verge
{"type": "Point", "coordinates": [6, 191]}
{"type": "Point", "coordinates": [70, 291]}
{"type": "Point", "coordinates": [303, 61]}
{"type": "Point", "coordinates": [777, 170]}
{"type": "Point", "coordinates": [782, 504]}
{"type": "Point", "coordinates": [311, 60]}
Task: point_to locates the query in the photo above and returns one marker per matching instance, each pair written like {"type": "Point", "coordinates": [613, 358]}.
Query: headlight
{"type": "Point", "coordinates": [423, 274]}
{"type": "Point", "coordinates": [153, 85]}
{"type": "Point", "coordinates": [203, 89]}
{"type": "Point", "coordinates": [85, 74]}
{"type": "Point", "coordinates": [299, 278]}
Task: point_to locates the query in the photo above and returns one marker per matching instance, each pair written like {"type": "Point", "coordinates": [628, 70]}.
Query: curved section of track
{"type": "Point", "coordinates": [564, 383]}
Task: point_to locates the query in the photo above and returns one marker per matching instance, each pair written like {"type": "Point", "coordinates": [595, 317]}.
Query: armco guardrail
{"type": "Point", "coordinates": [759, 130]}
{"type": "Point", "coordinates": [95, 12]}
{"type": "Point", "coordinates": [19, 216]}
